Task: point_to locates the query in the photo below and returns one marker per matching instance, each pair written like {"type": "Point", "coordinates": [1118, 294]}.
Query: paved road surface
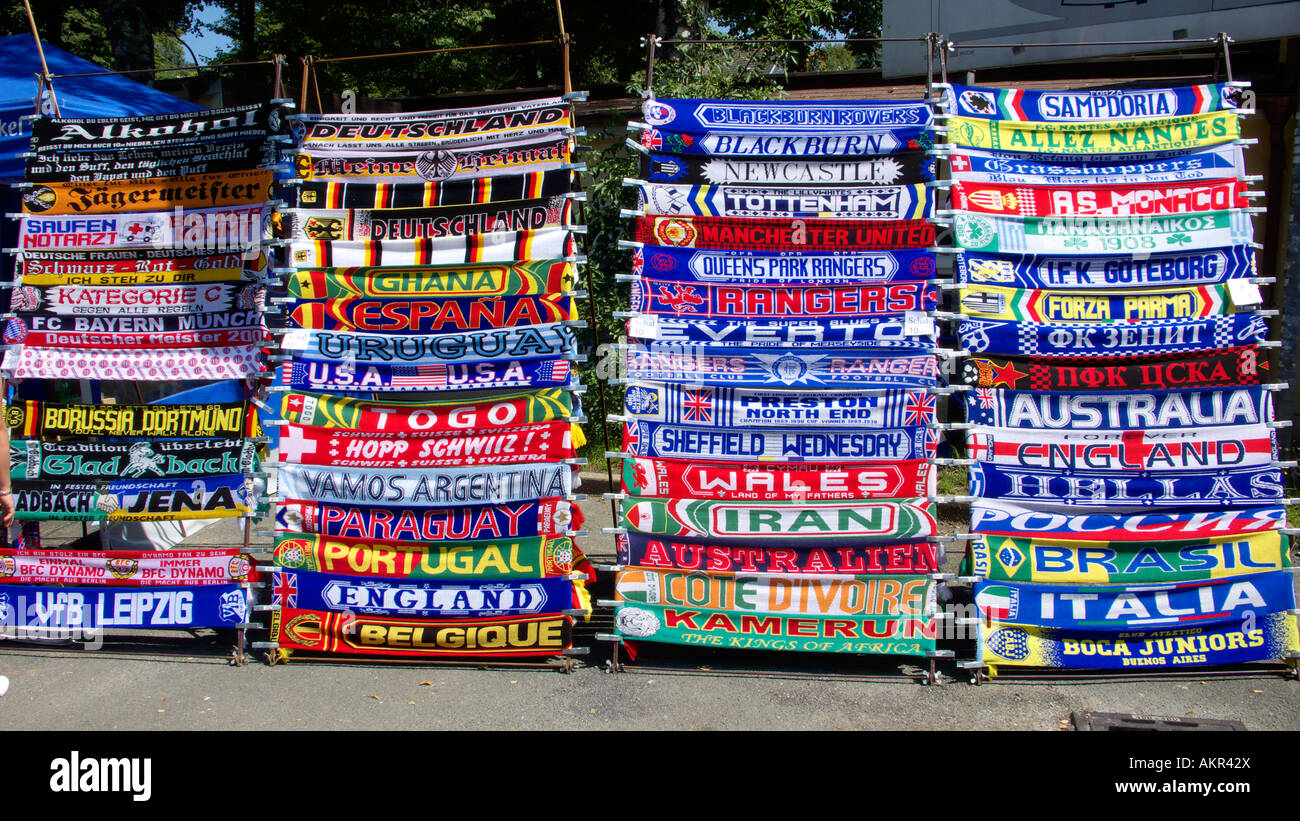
{"type": "Point", "coordinates": [96, 691]}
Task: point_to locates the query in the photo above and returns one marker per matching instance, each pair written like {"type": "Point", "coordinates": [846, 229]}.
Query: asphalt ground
{"type": "Point", "coordinates": [185, 681]}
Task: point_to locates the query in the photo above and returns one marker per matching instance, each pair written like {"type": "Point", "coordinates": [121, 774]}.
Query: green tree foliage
{"type": "Point", "coordinates": [117, 34]}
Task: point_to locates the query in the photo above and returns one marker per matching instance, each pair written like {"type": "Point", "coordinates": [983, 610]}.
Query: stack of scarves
{"type": "Point", "coordinates": [430, 417]}
{"type": "Point", "coordinates": [779, 374]}
{"type": "Point", "coordinates": [1128, 494]}
{"type": "Point", "coordinates": [141, 258]}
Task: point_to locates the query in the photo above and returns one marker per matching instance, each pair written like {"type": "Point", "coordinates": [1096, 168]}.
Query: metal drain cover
{"type": "Point", "coordinates": [1089, 720]}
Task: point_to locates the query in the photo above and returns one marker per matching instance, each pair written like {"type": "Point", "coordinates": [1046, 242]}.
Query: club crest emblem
{"type": "Point", "coordinates": [239, 567]}
{"type": "Point", "coordinates": [305, 629]}
{"type": "Point", "coordinates": [636, 622]}
{"type": "Point", "coordinates": [657, 113]}
{"type": "Point", "coordinates": [1009, 643]}
{"type": "Point", "coordinates": [232, 606]}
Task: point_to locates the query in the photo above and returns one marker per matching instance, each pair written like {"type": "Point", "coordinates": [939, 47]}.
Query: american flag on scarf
{"type": "Point", "coordinates": [417, 376]}
{"type": "Point", "coordinates": [554, 370]}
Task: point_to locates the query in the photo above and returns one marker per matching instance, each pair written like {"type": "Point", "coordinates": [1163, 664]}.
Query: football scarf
{"type": "Point", "coordinates": [1132, 305]}
{"type": "Point", "coordinates": [157, 131]}
{"type": "Point", "coordinates": [367, 195]}
{"type": "Point", "coordinates": [126, 568]}
{"type": "Point", "coordinates": [831, 368]}
{"type": "Point", "coordinates": [1213, 265]}
{"type": "Point", "coordinates": [141, 500]}
{"type": "Point", "coordinates": [820, 146]}
{"type": "Point", "coordinates": [222, 157]}
{"type": "Point", "coordinates": [15, 330]}
{"type": "Point", "coordinates": [1142, 200]}
{"type": "Point", "coordinates": [1055, 561]}
{"type": "Point", "coordinates": [1234, 366]}
{"type": "Point", "coordinates": [128, 268]}
{"type": "Point", "coordinates": [784, 235]}
{"type": "Point", "coordinates": [1102, 235]}
{"type": "Point", "coordinates": [795, 268]}
{"type": "Point", "coordinates": [1178, 450]}
{"type": "Point", "coordinates": [518, 408]}
{"type": "Point", "coordinates": [145, 300]}
{"type": "Point", "coordinates": [829, 595]}
{"type": "Point", "coordinates": [544, 442]}
{"type": "Point", "coordinates": [441, 222]}
{"type": "Point", "coordinates": [547, 517]}
{"type": "Point", "coordinates": [785, 444]}
{"type": "Point", "coordinates": [1207, 489]}
{"type": "Point", "coordinates": [491, 637]}
{"type": "Point", "coordinates": [46, 420]}
{"type": "Point", "coordinates": [909, 331]}
{"type": "Point", "coordinates": [639, 550]}
{"type": "Point", "coordinates": [1268, 637]}
{"type": "Point", "coordinates": [442, 129]}
{"type": "Point", "coordinates": [748, 408]}
{"type": "Point", "coordinates": [1113, 339]}
{"type": "Point", "coordinates": [1107, 608]}
{"type": "Point", "coordinates": [892, 202]}
{"type": "Point", "coordinates": [152, 194]}
{"type": "Point", "coordinates": [142, 364]}
{"type": "Point", "coordinates": [314, 375]}
{"type": "Point", "coordinates": [709, 300]}
{"type": "Point", "coordinates": [429, 488]}
{"type": "Point", "coordinates": [30, 610]}
{"type": "Point", "coordinates": [421, 599]}
{"type": "Point", "coordinates": [498, 246]}
{"type": "Point", "coordinates": [384, 167]}
{"type": "Point", "coordinates": [1089, 411]}
{"type": "Point", "coordinates": [37, 459]}
{"type": "Point", "coordinates": [114, 326]}
{"type": "Point", "coordinates": [910, 168]}
{"type": "Point", "coordinates": [547, 276]}
{"type": "Point", "coordinates": [837, 521]}
{"type": "Point", "coordinates": [1102, 140]}
{"type": "Point", "coordinates": [430, 316]}
{"type": "Point", "coordinates": [1000, 518]}
{"type": "Point", "coordinates": [776, 482]}
{"type": "Point", "coordinates": [1084, 106]}
{"type": "Point", "coordinates": [235, 229]}
{"type": "Point", "coordinates": [969, 165]}
{"type": "Point", "coordinates": [696, 116]}
{"type": "Point", "coordinates": [831, 634]}
{"type": "Point", "coordinates": [533, 558]}
{"type": "Point", "coordinates": [500, 344]}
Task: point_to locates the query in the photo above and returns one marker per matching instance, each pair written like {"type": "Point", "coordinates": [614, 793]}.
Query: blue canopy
{"type": "Point", "coordinates": [107, 96]}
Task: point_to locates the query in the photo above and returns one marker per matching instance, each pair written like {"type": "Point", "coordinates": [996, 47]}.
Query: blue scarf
{"type": "Point", "coordinates": [530, 342]}
{"type": "Point", "coordinates": [350, 377]}
{"type": "Point", "coordinates": [310, 590]}
{"type": "Point", "coordinates": [1084, 106]}
{"type": "Point", "coordinates": [888, 202]}
{"type": "Point", "coordinates": [1113, 607]}
{"type": "Point", "coordinates": [1226, 488]}
{"type": "Point", "coordinates": [696, 116]}
{"type": "Point", "coordinates": [723, 365]}
{"type": "Point", "coordinates": [1217, 162]}
{"type": "Point", "coordinates": [1112, 339]}
{"type": "Point", "coordinates": [93, 608]}
{"type": "Point", "coordinates": [1119, 411]}
{"type": "Point", "coordinates": [766, 408]}
{"type": "Point", "coordinates": [911, 332]}
{"type": "Point", "coordinates": [1213, 265]}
